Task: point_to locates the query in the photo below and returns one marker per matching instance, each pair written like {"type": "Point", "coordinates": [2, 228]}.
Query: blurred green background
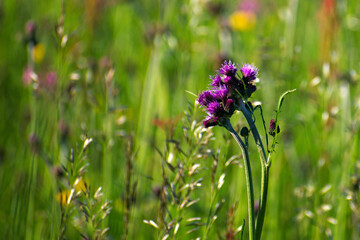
{"type": "Point", "coordinates": [110, 69]}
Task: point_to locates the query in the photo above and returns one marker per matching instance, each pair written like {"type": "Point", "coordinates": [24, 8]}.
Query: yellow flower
{"type": "Point", "coordinates": [38, 52]}
{"type": "Point", "coordinates": [242, 20]}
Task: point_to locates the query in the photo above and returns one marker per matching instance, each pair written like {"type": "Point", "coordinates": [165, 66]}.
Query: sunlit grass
{"type": "Point", "coordinates": [120, 73]}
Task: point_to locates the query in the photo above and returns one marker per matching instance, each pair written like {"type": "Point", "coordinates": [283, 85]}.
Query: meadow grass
{"type": "Point", "coordinates": [122, 74]}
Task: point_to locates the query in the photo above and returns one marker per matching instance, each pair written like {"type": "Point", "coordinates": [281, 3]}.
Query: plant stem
{"type": "Point", "coordinates": [265, 167]}
{"type": "Point", "coordinates": [249, 182]}
{"type": "Point", "coordinates": [263, 199]}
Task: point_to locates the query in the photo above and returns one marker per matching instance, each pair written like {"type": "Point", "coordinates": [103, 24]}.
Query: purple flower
{"type": "Point", "coordinates": [215, 108]}
{"type": "Point", "coordinates": [216, 81]}
{"type": "Point", "coordinates": [227, 80]}
{"type": "Point", "coordinates": [51, 79]}
{"type": "Point", "coordinates": [30, 29]}
{"type": "Point", "coordinates": [221, 93]}
{"type": "Point", "coordinates": [272, 128]}
{"type": "Point", "coordinates": [218, 105]}
{"type": "Point", "coordinates": [210, 121]}
{"type": "Point", "coordinates": [251, 6]}
{"type": "Point", "coordinates": [249, 72]}
{"type": "Point", "coordinates": [228, 69]}
{"type": "Point", "coordinates": [27, 76]}
{"type": "Point", "coordinates": [205, 98]}
{"type": "Point", "coordinates": [227, 90]}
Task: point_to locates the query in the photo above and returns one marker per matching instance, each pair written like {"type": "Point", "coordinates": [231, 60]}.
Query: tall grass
{"type": "Point", "coordinates": [122, 70]}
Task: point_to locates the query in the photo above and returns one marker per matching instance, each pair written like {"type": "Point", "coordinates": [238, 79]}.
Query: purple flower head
{"type": "Point", "coordinates": [216, 81]}
{"type": "Point", "coordinates": [227, 90]}
{"type": "Point", "coordinates": [210, 121]}
{"type": "Point", "coordinates": [205, 98]}
{"type": "Point", "coordinates": [27, 76]}
{"type": "Point", "coordinates": [227, 80]}
{"type": "Point", "coordinates": [249, 72]}
{"type": "Point", "coordinates": [272, 128]}
{"type": "Point", "coordinates": [215, 108]}
{"type": "Point", "coordinates": [228, 69]}
{"type": "Point", "coordinates": [251, 6]}
{"type": "Point", "coordinates": [220, 94]}
{"type": "Point", "coordinates": [51, 79]}
{"type": "Point", "coordinates": [30, 27]}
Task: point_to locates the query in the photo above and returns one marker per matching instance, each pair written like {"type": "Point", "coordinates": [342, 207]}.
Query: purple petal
{"type": "Point", "coordinates": [216, 81]}
{"type": "Point", "coordinates": [249, 72]}
{"type": "Point", "coordinates": [228, 69]}
{"type": "Point", "coordinates": [221, 93]}
{"type": "Point", "coordinates": [210, 121]}
{"type": "Point", "coordinates": [227, 79]}
{"type": "Point", "coordinates": [205, 97]}
{"type": "Point", "coordinates": [251, 6]}
{"type": "Point", "coordinates": [214, 108]}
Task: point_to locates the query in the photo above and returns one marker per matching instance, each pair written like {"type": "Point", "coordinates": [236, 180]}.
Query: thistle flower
{"type": "Point", "coordinates": [228, 69]}
{"type": "Point", "coordinates": [218, 106]}
{"type": "Point", "coordinates": [215, 108]}
{"type": "Point", "coordinates": [205, 98]}
{"type": "Point", "coordinates": [249, 72]}
{"type": "Point", "coordinates": [216, 81]}
{"type": "Point", "coordinates": [228, 88]}
{"type": "Point", "coordinates": [210, 121]}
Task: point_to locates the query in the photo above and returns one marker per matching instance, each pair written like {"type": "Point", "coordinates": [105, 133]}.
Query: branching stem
{"type": "Point", "coordinates": [265, 167]}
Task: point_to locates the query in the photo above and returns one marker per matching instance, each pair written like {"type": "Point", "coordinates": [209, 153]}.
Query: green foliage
{"type": "Point", "coordinates": [118, 72]}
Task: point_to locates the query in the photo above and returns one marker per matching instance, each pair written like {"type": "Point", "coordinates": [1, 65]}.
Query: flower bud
{"type": "Point", "coordinates": [272, 128]}
{"type": "Point", "coordinates": [244, 132]}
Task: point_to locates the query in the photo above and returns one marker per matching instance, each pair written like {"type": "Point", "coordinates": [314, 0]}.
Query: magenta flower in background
{"type": "Point", "coordinates": [30, 27]}
{"type": "Point", "coordinates": [51, 79]}
{"type": "Point", "coordinates": [27, 76]}
{"type": "Point", "coordinates": [249, 6]}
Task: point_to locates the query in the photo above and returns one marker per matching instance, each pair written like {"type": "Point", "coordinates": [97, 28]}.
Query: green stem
{"type": "Point", "coordinates": [263, 199]}
{"type": "Point", "coordinates": [265, 167]}
{"type": "Point", "coordinates": [249, 182]}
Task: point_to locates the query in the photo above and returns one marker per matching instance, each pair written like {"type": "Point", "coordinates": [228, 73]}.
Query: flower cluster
{"type": "Point", "coordinates": [228, 88]}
